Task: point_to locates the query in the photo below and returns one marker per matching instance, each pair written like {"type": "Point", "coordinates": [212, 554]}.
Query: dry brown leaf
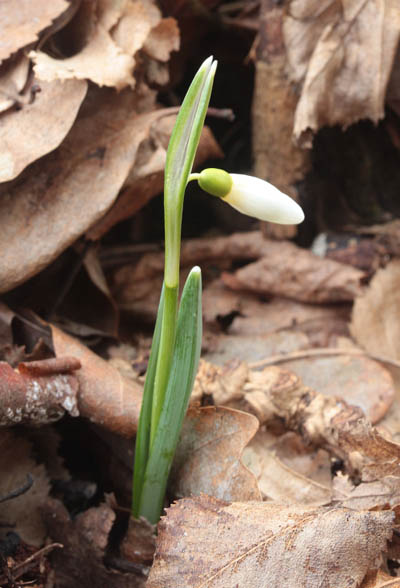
{"type": "Point", "coordinates": [324, 421]}
{"type": "Point", "coordinates": [100, 61]}
{"type": "Point", "coordinates": [297, 273]}
{"type": "Point", "coordinates": [22, 136]}
{"type": "Point", "coordinates": [20, 22]}
{"type": "Point", "coordinates": [22, 514]}
{"type": "Point", "coordinates": [109, 12]}
{"type": "Point", "coordinates": [13, 77]}
{"type": "Point", "coordinates": [225, 383]}
{"type": "Point", "coordinates": [342, 53]}
{"type": "Point", "coordinates": [208, 455]}
{"type": "Point", "coordinates": [85, 539]}
{"type": "Point", "coordinates": [139, 542]}
{"type": "Point", "coordinates": [358, 380]}
{"type": "Point", "coordinates": [367, 495]}
{"type": "Point", "coordinates": [162, 40]}
{"type": "Point", "coordinates": [252, 316]}
{"type": "Point", "coordinates": [105, 396]}
{"type": "Point", "coordinates": [276, 157]}
{"type": "Point", "coordinates": [375, 322]}
{"type": "Point", "coordinates": [380, 579]}
{"type": "Point", "coordinates": [96, 157]}
{"type": "Point", "coordinates": [135, 24]}
{"type": "Point", "coordinates": [223, 348]}
{"type": "Point", "coordinates": [306, 283]}
{"type": "Point", "coordinates": [279, 482]}
{"type": "Point", "coordinates": [266, 544]}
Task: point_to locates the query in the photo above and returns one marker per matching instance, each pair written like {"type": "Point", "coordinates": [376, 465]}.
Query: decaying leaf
{"type": "Point", "coordinates": [22, 514]}
{"type": "Point", "coordinates": [139, 542]}
{"type": "Point", "coordinates": [105, 396]}
{"type": "Point", "coordinates": [297, 273]}
{"type": "Point", "coordinates": [208, 455]}
{"type": "Point", "coordinates": [22, 136]}
{"type": "Point", "coordinates": [21, 22]}
{"type": "Point", "coordinates": [375, 322]}
{"type": "Point", "coordinates": [38, 392]}
{"type": "Point", "coordinates": [342, 54]}
{"type": "Point", "coordinates": [266, 544]}
{"type": "Point", "coordinates": [85, 539]}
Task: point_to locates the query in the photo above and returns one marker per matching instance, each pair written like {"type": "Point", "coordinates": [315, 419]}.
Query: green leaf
{"type": "Point", "coordinates": [142, 445]}
{"type": "Point", "coordinates": [180, 156]}
{"type": "Point", "coordinates": [183, 371]}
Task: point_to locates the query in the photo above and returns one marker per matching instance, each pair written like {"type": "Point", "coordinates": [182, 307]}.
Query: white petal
{"type": "Point", "coordinates": [262, 200]}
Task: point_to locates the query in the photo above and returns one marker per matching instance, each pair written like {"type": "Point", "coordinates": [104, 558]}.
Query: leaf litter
{"type": "Point", "coordinates": [309, 499]}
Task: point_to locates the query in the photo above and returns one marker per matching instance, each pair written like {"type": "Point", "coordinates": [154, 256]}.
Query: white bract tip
{"type": "Point", "coordinates": [262, 200]}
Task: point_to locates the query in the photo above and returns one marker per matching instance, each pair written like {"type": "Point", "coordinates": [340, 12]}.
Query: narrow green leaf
{"type": "Point", "coordinates": [180, 156]}
{"type": "Point", "coordinates": [183, 371]}
{"type": "Point", "coordinates": [142, 445]}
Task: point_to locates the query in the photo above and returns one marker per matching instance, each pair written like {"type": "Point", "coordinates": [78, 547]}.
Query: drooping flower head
{"type": "Point", "coordinates": [251, 196]}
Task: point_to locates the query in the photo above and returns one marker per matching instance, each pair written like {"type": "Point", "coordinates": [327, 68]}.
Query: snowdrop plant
{"type": "Point", "coordinates": [175, 349]}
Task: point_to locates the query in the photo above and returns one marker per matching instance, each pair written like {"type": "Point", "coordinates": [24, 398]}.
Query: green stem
{"type": "Point", "coordinates": [165, 352]}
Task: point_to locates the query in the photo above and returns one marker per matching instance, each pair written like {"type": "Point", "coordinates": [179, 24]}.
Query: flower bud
{"type": "Point", "coordinates": [252, 196]}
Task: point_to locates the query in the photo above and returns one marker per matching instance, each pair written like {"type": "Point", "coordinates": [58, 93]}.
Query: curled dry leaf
{"type": "Point", "coordinates": [39, 392]}
{"type": "Point", "coordinates": [342, 54]}
{"type": "Point", "coordinates": [375, 322]}
{"type": "Point", "coordinates": [22, 139]}
{"type": "Point", "coordinates": [208, 455]}
{"type": "Point", "coordinates": [20, 22]}
{"type": "Point", "coordinates": [324, 421]}
{"type": "Point", "coordinates": [22, 514]}
{"type": "Point", "coordinates": [266, 544]}
{"type": "Point", "coordinates": [105, 396]}
{"type": "Point", "coordinates": [297, 273]}
{"type": "Point", "coordinates": [97, 156]}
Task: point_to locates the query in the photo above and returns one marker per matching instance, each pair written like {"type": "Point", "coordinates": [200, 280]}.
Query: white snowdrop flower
{"type": "Point", "coordinates": [251, 196]}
